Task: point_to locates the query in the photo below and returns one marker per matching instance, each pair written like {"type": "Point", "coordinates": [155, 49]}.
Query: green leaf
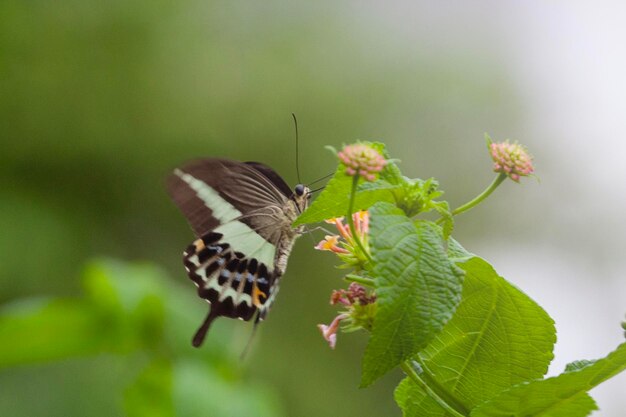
{"type": "Point", "coordinates": [333, 201]}
{"type": "Point", "coordinates": [417, 287]}
{"type": "Point", "coordinates": [560, 396]}
{"type": "Point", "coordinates": [577, 365]}
{"type": "Point", "coordinates": [49, 330]}
{"type": "Point", "coordinates": [199, 391]}
{"type": "Point", "coordinates": [443, 208]}
{"type": "Point", "coordinates": [391, 174]}
{"type": "Point", "coordinates": [378, 185]}
{"type": "Point", "coordinates": [414, 402]}
{"type": "Point", "coordinates": [151, 394]}
{"type": "Point", "coordinates": [497, 338]}
{"type": "Point", "coordinates": [130, 299]}
{"type": "Point", "coordinates": [123, 311]}
{"type": "Point", "coordinates": [457, 252]}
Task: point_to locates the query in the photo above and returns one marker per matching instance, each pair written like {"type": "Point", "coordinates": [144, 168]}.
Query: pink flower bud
{"type": "Point", "coordinates": [511, 159]}
{"type": "Point", "coordinates": [363, 160]}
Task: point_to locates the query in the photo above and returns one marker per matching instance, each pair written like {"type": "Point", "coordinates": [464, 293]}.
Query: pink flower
{"type": "Point", "coordinates": [355, 293]}
{"type": "Point", "coordinates": [361, 221]}
{"type": "Point", "coordinates": [511, 159]}
{"type": "Point", "coordinates": [359, 312]}
{"type": "Point", "coordinates": [330, 244]}
{"type": "Point", "coordinates": [330, 332]}
{"type": "Point", "coordinates": [363, 160]}
{"type": "Point", "coordinates": [360, 306]}
{"type": "Point", "coordinates": [344, 244]}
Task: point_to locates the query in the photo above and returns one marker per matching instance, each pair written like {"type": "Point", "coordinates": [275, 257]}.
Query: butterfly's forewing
{"type": "Point", "coordinates": [238, 211]}
{"type": "Point", "coordinates": [211, 192]}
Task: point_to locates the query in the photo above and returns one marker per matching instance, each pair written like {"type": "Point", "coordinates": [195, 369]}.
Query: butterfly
{"type": "Point", "coordinates": [242, 215]}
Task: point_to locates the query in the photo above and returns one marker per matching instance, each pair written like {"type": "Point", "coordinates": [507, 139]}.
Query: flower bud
{"type": "Point", "coordinates": [511, 159]}
{"type": "Point", "coordinates": [361, 159]}
{"type": "Point", "coordinates": [360, 309]}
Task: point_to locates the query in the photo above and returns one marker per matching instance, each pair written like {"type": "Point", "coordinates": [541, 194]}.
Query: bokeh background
{"type": "Point", "coordinates": [100, 100]}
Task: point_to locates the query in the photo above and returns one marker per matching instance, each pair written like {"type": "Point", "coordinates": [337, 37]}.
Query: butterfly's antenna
{"type": "Point", "coordinates": [249, 344]}
{"type": "Point", "coordinates": [321, 179]}
{"type": "Point", "coordinates": [295, 123]}
{"type": "Point", "coordinates": [318, 189]}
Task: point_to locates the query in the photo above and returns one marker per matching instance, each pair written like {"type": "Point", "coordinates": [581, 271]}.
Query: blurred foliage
{"type": "Point", "coordinates": [99, 100]}
{"type": "Point", "coordinates": [133, 311]}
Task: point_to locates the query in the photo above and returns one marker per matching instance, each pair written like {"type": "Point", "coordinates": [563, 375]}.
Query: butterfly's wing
{"type": "Point", "coordinates": [211, 192]}
{"type": "Point", "coordinates": [236, 210]}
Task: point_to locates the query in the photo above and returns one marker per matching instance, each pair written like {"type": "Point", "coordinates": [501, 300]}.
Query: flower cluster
{"type": "Point", "coordinates": [511, 159]}
{"type": "Point", "coordinates": [344, 243]}
{"type": "Point", "coordinates": [360, 306]}
{"type": "Point", "coordinates": [363, 160]}
{"type": "Point", "coordinates": [359, 313]}
{"type": "Point", "coordinates": [354, 293]}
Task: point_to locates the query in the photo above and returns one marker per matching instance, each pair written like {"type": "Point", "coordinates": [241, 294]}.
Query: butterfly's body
{"type": "Point", "coordinates": [242, 214]}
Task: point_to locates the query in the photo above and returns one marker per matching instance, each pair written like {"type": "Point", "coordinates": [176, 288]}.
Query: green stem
{"type": "Point", "coordinates": [368, 282]}
{"type": "Point", "coordinates": [408, 369]}
{"type": "Point", "coordinates": [479, 198]}
{"type": "Point", "coordinates": [355, 183]}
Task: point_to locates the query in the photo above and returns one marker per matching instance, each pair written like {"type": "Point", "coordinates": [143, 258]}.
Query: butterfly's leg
{"type": "Point", "coordinates": [315, 229]}
{"type": "Point", "coordinates": [254, 328]}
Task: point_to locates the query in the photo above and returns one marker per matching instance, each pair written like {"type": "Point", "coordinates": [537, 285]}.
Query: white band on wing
{"type": "Point", "coordinates": [237, 234]}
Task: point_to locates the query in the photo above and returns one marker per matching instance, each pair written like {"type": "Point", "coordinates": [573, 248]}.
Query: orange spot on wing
{"type": "Point", "coordinates": [256, 292]}
{"type": "Point", "coordinates": [199, 244]}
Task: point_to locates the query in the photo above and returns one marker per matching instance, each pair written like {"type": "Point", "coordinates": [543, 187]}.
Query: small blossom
{"type": "Point", "coordinates": [363, 160]}
{"type": "Point", "coordinates": [361, 222]}
{"type": "Point", "coordinates": [360, 307]}
{"type": "Point", "coordinates": [359, 313]}
{"type": "Point", "coordinates": [511, 159]}
{"type": "Point", "coordinates": [330, 244]}
{"type": "Point", "coordinates": [354, 293]}
{"type": "Point", "coordinates": [330, 332]}
{"type": "Point", "coordinates": [339, 296]}
{"type": "Point", "coordinates": [343, 229]}
{"type": "Point", "coordinates": [344, 244]}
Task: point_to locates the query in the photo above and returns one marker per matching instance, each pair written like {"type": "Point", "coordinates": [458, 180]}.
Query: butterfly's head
{"type": "Point", "coordinates": [301, 196]}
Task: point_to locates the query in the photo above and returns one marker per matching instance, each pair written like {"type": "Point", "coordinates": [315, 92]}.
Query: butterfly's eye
{"type": "Point", "coordinates": [299, 190]}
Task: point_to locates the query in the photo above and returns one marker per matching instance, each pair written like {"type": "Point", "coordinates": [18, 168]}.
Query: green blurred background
{"type": "Point", "coordinates": [100, 100]}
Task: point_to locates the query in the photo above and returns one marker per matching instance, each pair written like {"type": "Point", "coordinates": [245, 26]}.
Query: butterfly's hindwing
{"type": "Point", "coordinates": [235, 285]}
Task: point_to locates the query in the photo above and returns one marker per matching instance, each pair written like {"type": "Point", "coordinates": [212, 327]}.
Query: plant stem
{"type": "Point", "coordinates": [355, 183]}
{"type": "Point", "coordinates": [496, 182]}
{"type": "Point", "coordinates": [408, 369]}
{"type": "Point", "coordinates": [368, 282]}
